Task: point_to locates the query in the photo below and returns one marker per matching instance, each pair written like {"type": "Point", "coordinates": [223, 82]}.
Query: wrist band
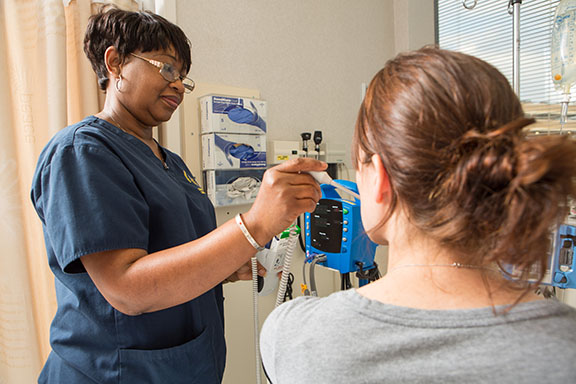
{"type": "Point", "coordinates": [247, 234]}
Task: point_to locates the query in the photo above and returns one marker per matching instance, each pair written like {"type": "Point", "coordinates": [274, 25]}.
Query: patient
{"type": "Point", "coordinates": [452, 183]}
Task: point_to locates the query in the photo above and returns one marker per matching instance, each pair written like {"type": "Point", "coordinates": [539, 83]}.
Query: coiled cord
{"type": "Point", "coordinates": [254, 261]}
{"type": "Point", "coordinates": [287, 263]}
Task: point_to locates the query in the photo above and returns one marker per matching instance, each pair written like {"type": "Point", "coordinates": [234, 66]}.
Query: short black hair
{"type": "Point", "coordinates": [128, 32]}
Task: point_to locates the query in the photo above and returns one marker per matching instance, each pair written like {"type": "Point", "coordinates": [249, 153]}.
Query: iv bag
{"type": "Point", "coordinates": [563, 50]}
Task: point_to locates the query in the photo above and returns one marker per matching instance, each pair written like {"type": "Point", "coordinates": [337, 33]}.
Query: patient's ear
{"type": "Point", "coordinates": [380, 178]}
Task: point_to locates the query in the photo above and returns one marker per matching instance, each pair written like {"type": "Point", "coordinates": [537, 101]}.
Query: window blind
{"type": "Point", "coordinates": [486, 31]}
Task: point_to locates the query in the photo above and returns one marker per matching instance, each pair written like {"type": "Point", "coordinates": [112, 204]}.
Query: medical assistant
{"type": "Point", "coordinates": [97, 188]}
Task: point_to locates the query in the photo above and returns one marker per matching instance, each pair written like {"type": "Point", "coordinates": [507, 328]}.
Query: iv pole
{"type": "Point", "coordinates": [516, 51]}
{"type": "Point", "coordinates": [513, 9]}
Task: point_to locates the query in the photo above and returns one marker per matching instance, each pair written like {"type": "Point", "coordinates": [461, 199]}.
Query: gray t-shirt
{"type": "Point", "coordinates": [348, 338]}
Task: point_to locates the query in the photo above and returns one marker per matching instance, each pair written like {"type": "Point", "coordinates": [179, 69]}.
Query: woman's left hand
{"type": "Point", "coordinates": [245, 273]}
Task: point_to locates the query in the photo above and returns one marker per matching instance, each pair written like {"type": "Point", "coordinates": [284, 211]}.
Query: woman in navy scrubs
{"type": "Point", "coordinates": [130, 235]}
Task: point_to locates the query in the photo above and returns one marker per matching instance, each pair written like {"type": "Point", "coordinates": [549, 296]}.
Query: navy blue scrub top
{"type": "Point", "coordinates": [97, 188]}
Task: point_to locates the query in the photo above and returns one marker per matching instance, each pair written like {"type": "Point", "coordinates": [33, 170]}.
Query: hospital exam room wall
{"type": "Point", "coordinates": [308, 59]}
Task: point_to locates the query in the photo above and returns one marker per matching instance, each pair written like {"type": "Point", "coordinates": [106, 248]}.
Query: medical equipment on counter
{"type": "Point", "coordinates": [317, 141]}
{"type": "Point", "coordinates": [563, 53]}
{"type": "Point", "coordinates": [279, 151]}
{"type": "Point", "coordinates": [335, 237]}
{"type": "Point", "coordinates": [276, 257]}
{"type": "Point", "coordinates": [305, 137]}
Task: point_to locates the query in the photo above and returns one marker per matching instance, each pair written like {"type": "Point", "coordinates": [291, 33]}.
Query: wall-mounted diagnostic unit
{"type": "Point", "coordinates": [334, 231]}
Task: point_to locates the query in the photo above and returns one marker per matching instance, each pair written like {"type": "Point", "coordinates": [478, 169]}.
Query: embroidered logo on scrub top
{"type": "Point", "coordinates": [191, 180]}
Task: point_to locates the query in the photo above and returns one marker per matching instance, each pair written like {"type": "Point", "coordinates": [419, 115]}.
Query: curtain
{"type": "Point", "coordinates": [47, 84]}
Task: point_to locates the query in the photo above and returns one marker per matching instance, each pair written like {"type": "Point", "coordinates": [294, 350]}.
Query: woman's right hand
{"type": "Point", "coordinates": [286, 192]}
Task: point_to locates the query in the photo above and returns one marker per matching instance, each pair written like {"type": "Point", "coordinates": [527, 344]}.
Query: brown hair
{"type": "Point", "coordinates": [128, 32]}
{"type": "Point", "coordinates": [448, 128]}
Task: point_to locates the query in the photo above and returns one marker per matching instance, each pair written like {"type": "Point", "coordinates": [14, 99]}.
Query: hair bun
{"type": "Point", "coordinates": [481, 164]}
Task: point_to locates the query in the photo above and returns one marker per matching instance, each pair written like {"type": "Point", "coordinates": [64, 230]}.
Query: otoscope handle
{"type": "Point", "coordinates": [324, 178]}
{"type": "Point", "coordinates": [321, 177]}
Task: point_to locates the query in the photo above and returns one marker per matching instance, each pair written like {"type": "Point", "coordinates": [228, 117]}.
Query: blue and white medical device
{"type": "Point", "coordinates": [562, 267]}
{"type": "Point", "coordinates": [334, 233]}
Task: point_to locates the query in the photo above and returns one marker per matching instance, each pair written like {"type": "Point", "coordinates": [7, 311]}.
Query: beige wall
{"type": "Point", "coordinates": [413, 24]}
{"type": "Point", "coordinates": [308, 59]}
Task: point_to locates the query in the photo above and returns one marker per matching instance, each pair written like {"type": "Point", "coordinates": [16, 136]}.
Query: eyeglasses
{"type": "Point", "coordinates": [170, 74]}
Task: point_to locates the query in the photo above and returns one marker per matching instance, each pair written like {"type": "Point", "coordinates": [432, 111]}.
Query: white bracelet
{"type": "Point", "coordinates": [247, 234]}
